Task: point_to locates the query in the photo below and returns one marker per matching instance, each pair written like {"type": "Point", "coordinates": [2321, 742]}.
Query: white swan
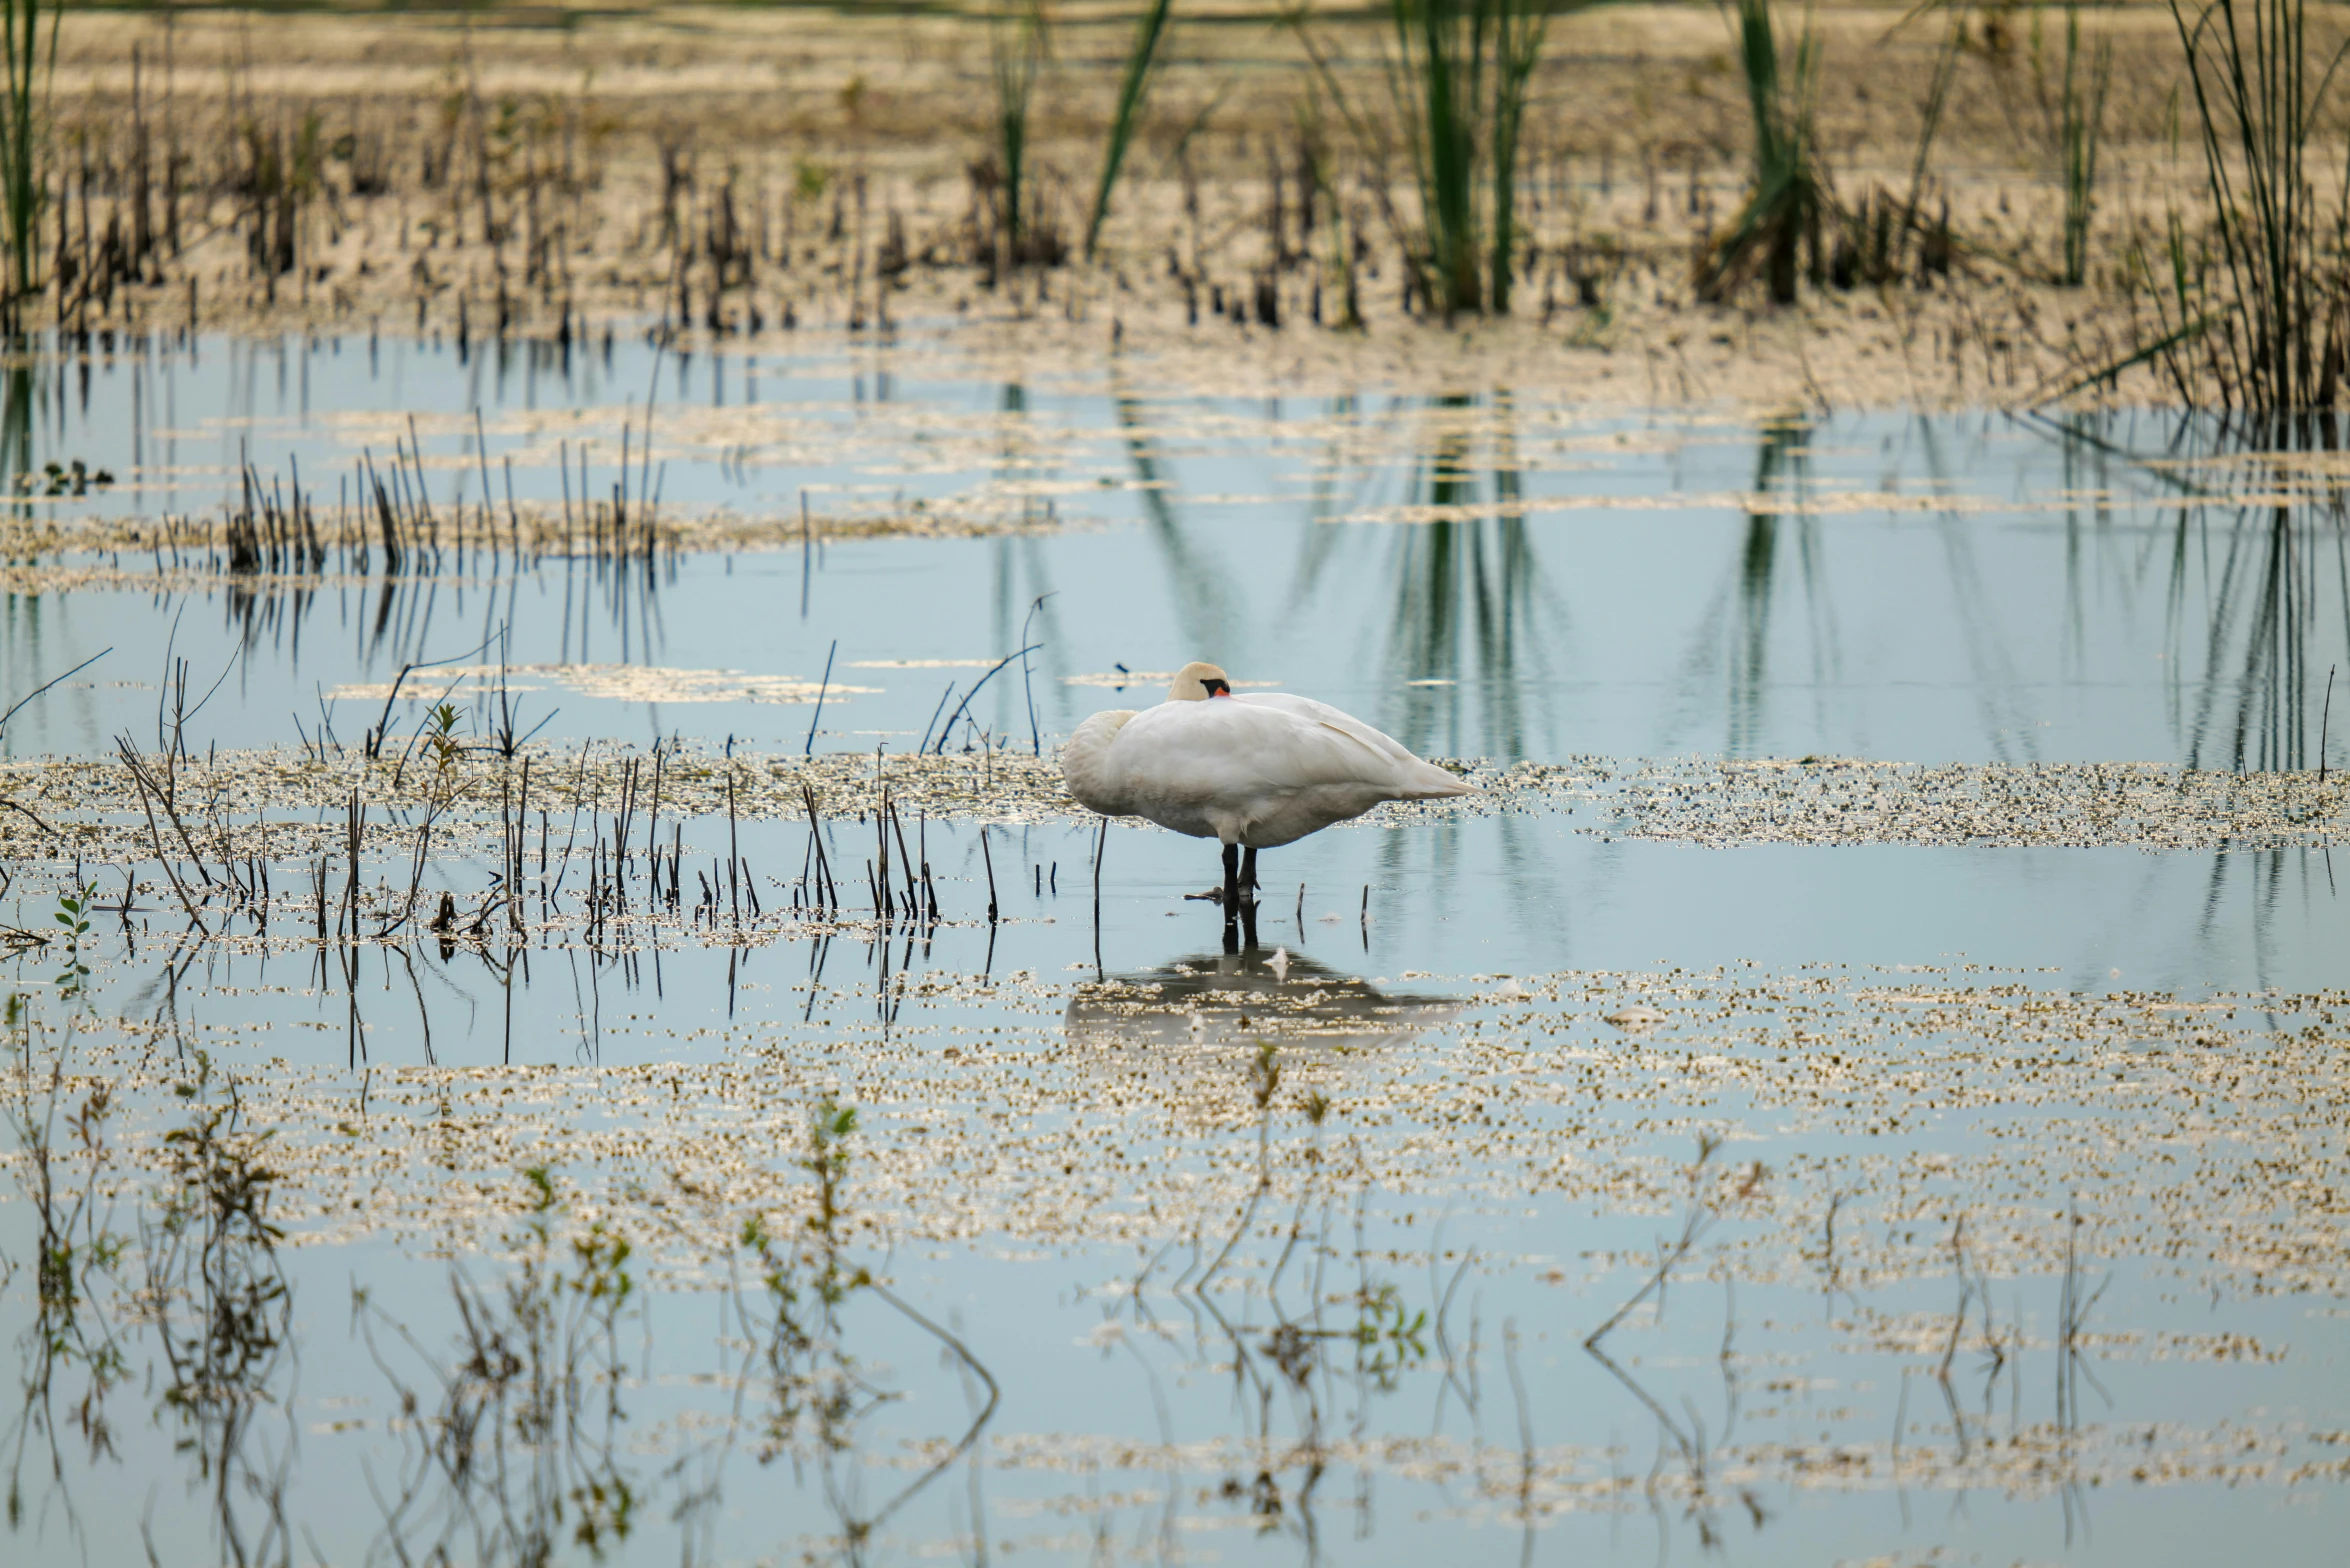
{"type": "Point", "coordinates": [1255, 771]}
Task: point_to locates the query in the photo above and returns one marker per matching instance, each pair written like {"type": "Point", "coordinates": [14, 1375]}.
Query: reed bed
{"type": "Point", "coordinates": [488, 214]}
{"type": "Point", "coordinates": [2080, 127]}
{"type": "Point", "coordinates": [386, 523]}
{"type": "Point", "coordinates": [1440, 159]}
{"type": "Point", "coordinates": [2264, 329]}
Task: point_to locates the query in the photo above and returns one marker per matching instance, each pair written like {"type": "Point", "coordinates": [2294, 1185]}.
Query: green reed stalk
{"type": "Point", "coordinates": [1442, 59]}
{"type": "Point", "coordinates": [1461, 83]}
{"type": "Point", "coordinates": [2258, 97]}
{"type": "Point", "coordinates": [1520, 31]}
{"type": "Point", "coordinates": [1019, 53]}
{"type": "Point", "coordinates": [1140, 63]}
{"type": "Point", "coordinates": [2081, 112]}
{"type": "Point", "coordinates": [22, 134]}
{"type": "Point", "coordinates": [1789, 195]}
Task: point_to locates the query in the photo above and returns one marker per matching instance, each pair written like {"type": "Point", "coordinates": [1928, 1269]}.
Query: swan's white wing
{"type": "Point", "coordinates": [1411, 776]}
{"type": "Point", "coordinates": [1260, 772]}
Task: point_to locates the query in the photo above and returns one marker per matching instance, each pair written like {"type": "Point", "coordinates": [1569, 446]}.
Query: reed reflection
{"type": "Point", "coordinates": [2254, 569]}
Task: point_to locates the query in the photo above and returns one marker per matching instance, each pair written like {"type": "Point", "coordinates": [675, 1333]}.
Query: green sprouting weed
{"type": "Point", "coordinates": [810, 180]}
{"type": "Point", "coordinates": [441, 735]}
{"type": "Point", "coordinates": [1389, 1338]}
{"type": "Point", "coordinates": [828, 1160]}
{"type": "Point", "coordinates": [73, 914]}
{"type": "Point", "coordinates": [603, 1265]}
{"type": "Point", "coordinates": [605, 1505]}
{"type": "Point", "coordinates": [1264, 1076]}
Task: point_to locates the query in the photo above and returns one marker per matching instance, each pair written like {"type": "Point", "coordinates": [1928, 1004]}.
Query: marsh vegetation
{"type": "Point", "coordinates": [557, 1007]}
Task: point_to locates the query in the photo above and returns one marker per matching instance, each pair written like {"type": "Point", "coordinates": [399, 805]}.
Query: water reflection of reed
{"type": "Point", "coordinates": [76, 1295]}
{"type": "Point", "coordinates": [223, 1313]}
{"type": "Point", "coordinates": [2256, 575]}
{"type": "Point", "coordinates": [2263, 632]}
{"type": "Point", "coordinates": [397, 620]}
{"type": "Point", "coordinates": [1733, 641]}
{"type": "Point", "coordinates": [208, 1286]}
{"type": "Point", "coordinates": [1464, 590]}
{"type": "Point", "coordinates": [1464, 585]}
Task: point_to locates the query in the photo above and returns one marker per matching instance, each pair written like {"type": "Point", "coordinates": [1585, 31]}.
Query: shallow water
{"type": "Point", "coordinates": [1482, 578]}
{"type": "Point", "coordinates": [1964, 1198]}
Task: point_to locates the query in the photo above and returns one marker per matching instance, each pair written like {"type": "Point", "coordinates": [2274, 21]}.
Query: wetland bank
{"type": "Point", "coordinates": [557, 1008]}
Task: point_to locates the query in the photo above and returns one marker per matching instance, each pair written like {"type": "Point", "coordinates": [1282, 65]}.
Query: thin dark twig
{"type": "Point", "coordinates": [1027, 687]}
{"type": "Point", "coordinates": [809, 750]}
{"type": "Point", "coordinates": [2324, 718]}
{"type": "Point", "coordinates": [45, 685]}
{"type": "Point", "coordinates": [964, 706]}
{"type": "Point", "coordinates": [45, 827]}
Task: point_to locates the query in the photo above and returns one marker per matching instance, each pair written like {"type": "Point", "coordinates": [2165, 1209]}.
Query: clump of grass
{"type": "Point", "coordinates": [2076, 123]}
{"type": "Point", "coordinates": [1790, 195]}
{"type": "Point", "coordinates": [1460, 82]}
{"type": "Point", "coordinates": [1874, 246]}
{"type": "Point", "coordinates": [28, 60]}
{"type": "Point", "coordinates": [2080, 124]}
{"type": "Point", "coordinates": [1018, 44]}
{"type": "Point", "coordinates": [2273, 330]}
{"type": "Point", "coordinates": [1141, 62]}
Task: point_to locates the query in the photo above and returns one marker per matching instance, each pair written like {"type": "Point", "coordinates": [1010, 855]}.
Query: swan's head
{"type": "Point", "coordinates": [1197, 682]}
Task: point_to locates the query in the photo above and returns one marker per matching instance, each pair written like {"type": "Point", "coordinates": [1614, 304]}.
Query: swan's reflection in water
{"type": "Point", "coordinates": [1239, 999]}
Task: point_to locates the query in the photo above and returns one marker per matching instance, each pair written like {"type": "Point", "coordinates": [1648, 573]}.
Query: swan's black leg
{"type": "Point", "coordinates": [1248, 873]}
{"type": "Point", "coordinates": [1248, 926]}
{"type": "Point", "coordinates": [1231, 880]}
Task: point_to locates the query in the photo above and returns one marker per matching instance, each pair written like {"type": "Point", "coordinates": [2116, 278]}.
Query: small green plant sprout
{"type": "Point", "coordinates": [810, 179]}
{"type": "Point", "coordinates": [1389, 1337]}
{"type": "Point", "coordinates": [440, 734]}
{"type": "Point", "coordinates": [600, 1265]}
{"type": "Point", "coordinates": [1264, 1075]}
{"type": "Point", "coordinates": [217, 1185]}
{"type": "Point", "coordinates": [819, 1393]}
{"type": "Point", "coordinates": [599, 1255]}
{"type": "Point", "coordinates": [73, 916]}
{"type": "Point", "coordinates": [829, 1131]}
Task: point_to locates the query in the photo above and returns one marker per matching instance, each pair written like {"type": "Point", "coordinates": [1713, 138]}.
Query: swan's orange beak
{"type": "Point", "coordinates": [1217, 688]}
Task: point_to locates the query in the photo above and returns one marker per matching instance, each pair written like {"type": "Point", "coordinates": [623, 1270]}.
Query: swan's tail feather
{"type": "Point", "coordinates": [1430, 782]}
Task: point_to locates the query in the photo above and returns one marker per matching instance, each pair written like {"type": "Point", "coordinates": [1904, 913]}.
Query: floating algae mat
{"type": "Point", "coordinates": [606, 1040]}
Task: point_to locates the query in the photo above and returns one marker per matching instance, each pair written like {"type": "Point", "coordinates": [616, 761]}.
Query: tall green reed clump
{"type": "Point", "coordinates": [1461, 83]}
{"type": "Point", "coordinates": [2079, 124]}
{"type": "Point", "coordinates": [1783, 211]}
{"type": "Point", "coordinates": [1018, 45]}
{"type": "Point", "coordinates": [1141, 61]}
{"type": "Point", "coordinates": [29, 60]}
{"type": "Point", "coordinates": [2274, 335]}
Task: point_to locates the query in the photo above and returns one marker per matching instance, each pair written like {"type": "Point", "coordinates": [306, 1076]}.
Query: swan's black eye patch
{"type": "Point", "coordinates": [1217, 688]}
